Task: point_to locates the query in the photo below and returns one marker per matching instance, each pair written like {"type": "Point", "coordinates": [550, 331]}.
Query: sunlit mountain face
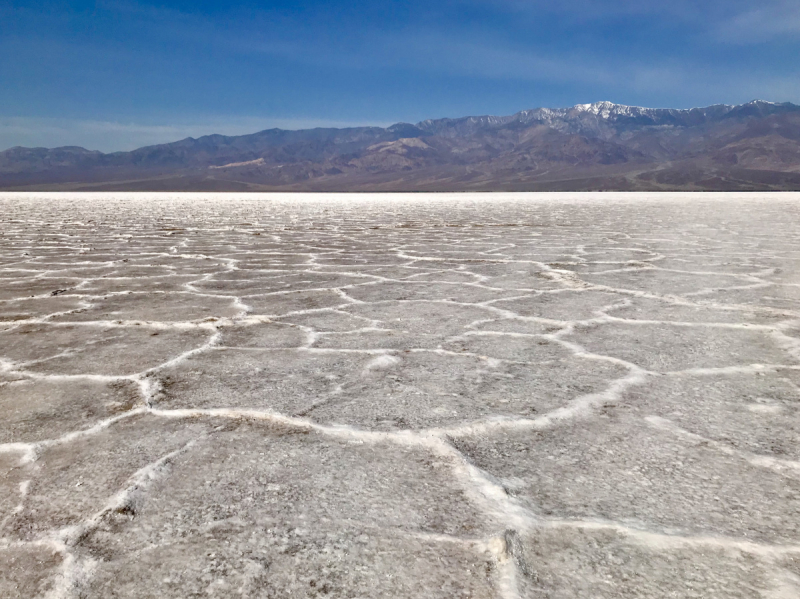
{"type": "Point", "coordinates": [588, 146]}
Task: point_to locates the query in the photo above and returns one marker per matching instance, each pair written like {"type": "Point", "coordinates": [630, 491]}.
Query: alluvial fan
{"type": "Point", "coordinates": [400, 396]}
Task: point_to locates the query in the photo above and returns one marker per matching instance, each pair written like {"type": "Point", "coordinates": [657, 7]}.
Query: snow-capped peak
{"type": "Point", "coordinates": [607, 109]}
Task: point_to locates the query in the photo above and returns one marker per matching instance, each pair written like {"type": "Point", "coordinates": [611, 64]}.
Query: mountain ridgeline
{"type": "Point", "coordinates": [601, 146]}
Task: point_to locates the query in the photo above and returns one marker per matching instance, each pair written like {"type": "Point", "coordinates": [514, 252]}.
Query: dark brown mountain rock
{"type": "Point", "coordinates": [589, 146]}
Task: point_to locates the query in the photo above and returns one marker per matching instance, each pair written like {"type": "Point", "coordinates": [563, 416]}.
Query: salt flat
{"type": "Point", "coordinates": [400, 396]}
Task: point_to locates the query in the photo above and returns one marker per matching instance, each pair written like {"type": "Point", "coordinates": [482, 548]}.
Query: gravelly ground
{"type": "Point", "coordinates": [493, 395]}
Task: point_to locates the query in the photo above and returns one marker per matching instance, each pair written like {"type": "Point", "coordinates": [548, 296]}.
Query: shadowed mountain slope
{"type": "Point", "coordinates": [601, 146]}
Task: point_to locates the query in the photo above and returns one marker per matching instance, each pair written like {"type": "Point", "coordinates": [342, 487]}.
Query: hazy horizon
{"type": "Point", "coordinates": [120, 74]}
{"type": "Point", "coordinates": [51, 129]}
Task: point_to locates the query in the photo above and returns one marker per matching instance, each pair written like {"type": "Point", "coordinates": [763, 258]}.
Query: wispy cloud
{"type": "Point", "coordinates": [769, 22]}
{"type": "Point", "coordinates": [145, 68]}
{"type": "Point", "coordinates": [495, 59]}
{"type": "Point", "coordinates": [601, 9]}
{"type": "Point", "coordinates": [726, 21]}
{"type": "Point", "coordinates": [484, 57]}
{"type": "Point", "coordinates": [473, 50]}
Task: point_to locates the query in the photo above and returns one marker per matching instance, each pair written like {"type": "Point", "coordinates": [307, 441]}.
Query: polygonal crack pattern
{"type": "Point", "coordinates": [476, 395]}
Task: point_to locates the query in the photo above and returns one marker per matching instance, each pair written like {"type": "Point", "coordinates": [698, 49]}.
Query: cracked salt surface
{"type": "Point", "coordinates": [467, 395]}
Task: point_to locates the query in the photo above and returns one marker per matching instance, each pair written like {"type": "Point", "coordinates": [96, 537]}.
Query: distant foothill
{"type": "Point", "coordinates": [600, 146]}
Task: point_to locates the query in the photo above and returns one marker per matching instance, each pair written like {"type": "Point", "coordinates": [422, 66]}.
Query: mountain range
{"type": "Point", "coordinates": [600, 146]}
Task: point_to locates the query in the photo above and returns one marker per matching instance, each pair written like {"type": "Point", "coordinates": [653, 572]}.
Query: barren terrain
{"type": "Point", "coordinates": [400, 396]}
{"type": "Point", "coordinates": [588, 147]}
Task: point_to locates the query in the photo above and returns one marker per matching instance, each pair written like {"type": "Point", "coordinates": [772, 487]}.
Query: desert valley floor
{"type": "Point", "coordinates": [400, 396]}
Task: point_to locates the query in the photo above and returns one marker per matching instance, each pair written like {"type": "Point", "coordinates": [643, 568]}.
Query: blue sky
{"type": "Point", "coordinates": [119, 74]}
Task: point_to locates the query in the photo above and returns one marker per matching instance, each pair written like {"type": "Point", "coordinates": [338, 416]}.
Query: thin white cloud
{"type": "Point", "coordinates": [626, 75]}
{"type": "Point", "coordinates": [687, 10]}
{"type": "Point", "coordinates": [111, 136]}
{"type": "Point", "coordinates": [468, 50]}
{"type": "Point", "coordinates": [769, 22]}
{"type": "Point", "coordinates": [485, 58]}
{"type": "Point", "coordinates": [738, 22]}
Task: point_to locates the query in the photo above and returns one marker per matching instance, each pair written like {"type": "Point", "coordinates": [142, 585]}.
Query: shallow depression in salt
{"type": "Point", "coordinates": [423, 395]}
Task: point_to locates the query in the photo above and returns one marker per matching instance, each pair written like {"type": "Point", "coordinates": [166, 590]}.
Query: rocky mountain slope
{"type": "Point", "coordinates": [601, 146]}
